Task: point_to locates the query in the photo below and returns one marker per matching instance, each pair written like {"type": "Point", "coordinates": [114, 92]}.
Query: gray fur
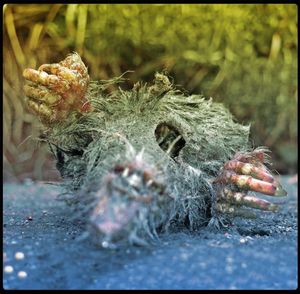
{"type": "Point", "coordinates": [123, 124]}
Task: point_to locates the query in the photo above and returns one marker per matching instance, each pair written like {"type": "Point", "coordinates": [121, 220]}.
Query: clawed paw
{"type": "Point", "coordinates": [246, 172]}
{"type": "Point", "coordinates": [54, 90]}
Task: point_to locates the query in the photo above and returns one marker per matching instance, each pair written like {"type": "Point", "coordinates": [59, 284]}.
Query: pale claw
{"type": "Point", "coordinates": [50, 81]}
{"type": "Point", "coordinates": [249, 183]}
{"type": "Point", "coordinates": [39, 108]}
{"type": "Point", "coordinates": [234, 210]}
{"type": "Point", "coordinates": [249, 169]}
{"type": "Point", "coordinates": [61, 71]}
{"type": "Point", "coordinates": [41, 94]}
{"type": "Point", "coordinates": [239, 198]}
{"type": "Point", "coordinates": [247, 172]}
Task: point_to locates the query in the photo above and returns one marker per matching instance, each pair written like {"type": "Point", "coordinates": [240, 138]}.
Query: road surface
{"type": "Point", "coordinates": [43, 249]}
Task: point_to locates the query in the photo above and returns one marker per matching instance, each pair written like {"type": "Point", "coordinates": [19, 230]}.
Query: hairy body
{"type": "Point", "coordinates": [141, 161]}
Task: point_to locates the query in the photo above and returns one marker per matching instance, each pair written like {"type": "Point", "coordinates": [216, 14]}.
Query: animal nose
{"type": "Point", "coordinates": [127, 192]}
{"type": "Point", "coordinates": [108, 227]}
{"type": "Point", "coordinates": [112, 215]}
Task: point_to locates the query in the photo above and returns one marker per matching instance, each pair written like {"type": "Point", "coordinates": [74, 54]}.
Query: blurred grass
{"type": "Point", "coordinates": [242, 55]}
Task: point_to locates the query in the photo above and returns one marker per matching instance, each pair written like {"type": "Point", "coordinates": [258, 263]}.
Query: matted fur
{"type": "Point", "coordinates": [123, 124]}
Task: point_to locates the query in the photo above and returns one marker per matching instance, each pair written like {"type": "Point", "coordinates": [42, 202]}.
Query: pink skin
{"type": "Point", "coordinates": [247, 172]}
{"type": "Point", "coordinates": [249, 169]}
{"type": "Point", "coordinates": [247, 182]}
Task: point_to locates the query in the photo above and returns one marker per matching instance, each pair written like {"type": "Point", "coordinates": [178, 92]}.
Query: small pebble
{"type": "Point", "coordinates": [29, 218]}
{"type": "Point", "coordinates": [19, 255]}
{"type": "Point", "coordinates": [105, 244]}
{"type": "Point", "coordinates": [22, 274]}
{"type": "Point", "coordinates": [8, 269]}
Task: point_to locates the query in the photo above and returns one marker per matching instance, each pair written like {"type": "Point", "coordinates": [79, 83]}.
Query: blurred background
{"type": "Point", "coordinates": [244, 56]}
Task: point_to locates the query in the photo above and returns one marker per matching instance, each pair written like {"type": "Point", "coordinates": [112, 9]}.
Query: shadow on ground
{"type": "Point", "coordinates": [256, 254]}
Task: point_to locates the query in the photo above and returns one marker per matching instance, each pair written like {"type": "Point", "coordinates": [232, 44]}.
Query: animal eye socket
{"type": "Point", "coordinates": [169, 139]}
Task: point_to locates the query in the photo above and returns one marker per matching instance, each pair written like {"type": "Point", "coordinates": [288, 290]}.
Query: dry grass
{"type": "Point", "coordinates": [244, 53]}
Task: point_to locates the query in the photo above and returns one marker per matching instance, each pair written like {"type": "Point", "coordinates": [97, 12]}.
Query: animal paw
{"type": "Point", "coordinates": [55, 90]}
{"type": "Point", "coordinates": [246, 172]}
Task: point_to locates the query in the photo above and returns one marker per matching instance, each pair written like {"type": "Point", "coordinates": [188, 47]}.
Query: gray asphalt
{"type": "Point", "coordinates": [249, 254]}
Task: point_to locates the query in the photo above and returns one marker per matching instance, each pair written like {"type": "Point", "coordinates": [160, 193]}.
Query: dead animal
{"type": "Point", "coordinates": [141, 161]}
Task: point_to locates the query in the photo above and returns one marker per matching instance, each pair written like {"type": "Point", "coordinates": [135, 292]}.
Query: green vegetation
{"type": "Point", "coordinates": [244, 56]}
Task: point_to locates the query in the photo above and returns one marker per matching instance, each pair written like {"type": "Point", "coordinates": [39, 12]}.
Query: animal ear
{"type": "Point", "coordinates": [169, 139]}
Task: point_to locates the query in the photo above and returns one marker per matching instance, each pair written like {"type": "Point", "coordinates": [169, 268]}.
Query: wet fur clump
{"type": "Point", "coordinates": [185, 139]}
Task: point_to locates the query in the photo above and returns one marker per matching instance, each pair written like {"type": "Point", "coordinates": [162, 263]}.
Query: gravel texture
{"type": "Point", "coordinates": [44, 249]}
